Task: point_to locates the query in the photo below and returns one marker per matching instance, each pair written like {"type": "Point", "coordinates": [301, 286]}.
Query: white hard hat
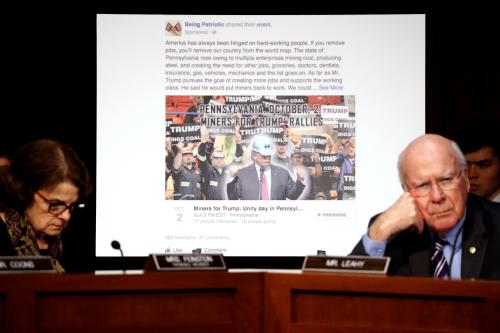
{"type": "Point", "coordinates": [263, 145]}
{"type": "Point", "coordinates": [218, 154]}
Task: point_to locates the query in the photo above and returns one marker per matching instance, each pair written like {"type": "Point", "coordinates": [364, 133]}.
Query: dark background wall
{"type": "Point", "coordinates": [50, 85]}
{"type": "Point", "coordinates": [463, 68]}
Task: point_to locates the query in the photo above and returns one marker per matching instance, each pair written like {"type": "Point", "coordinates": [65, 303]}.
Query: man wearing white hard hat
{"type": "Point", "coordinates": [187, 180]}
{"type": "Point", "coordinates": [214, 172]}
{"type": "Point", "coordinates": [261, 180]}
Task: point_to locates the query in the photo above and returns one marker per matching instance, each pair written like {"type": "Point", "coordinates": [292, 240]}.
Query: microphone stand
{"type": "Point", "coordinates": [116, 245]}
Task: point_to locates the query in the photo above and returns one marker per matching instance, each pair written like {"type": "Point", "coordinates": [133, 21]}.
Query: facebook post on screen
{"type": "Point", "coordinates": [251, 135]}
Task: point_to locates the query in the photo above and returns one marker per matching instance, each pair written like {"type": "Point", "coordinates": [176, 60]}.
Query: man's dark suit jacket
{"type": "Point", "coordinates": [410, 252]}
{"type": "Point", "coordinates": [246, 185]}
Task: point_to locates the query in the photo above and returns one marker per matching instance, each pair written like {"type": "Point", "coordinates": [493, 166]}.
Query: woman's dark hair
{"type": "Point", "coordinates": [42, 164]}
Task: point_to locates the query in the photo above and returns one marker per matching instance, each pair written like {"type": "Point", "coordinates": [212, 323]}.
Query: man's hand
{"type": "Point", "coordinates": [204, 134]}
{"type": "Point", "coordinates": [403, 214]}
{"type": "Point", "coordinates": [233, 169]}
{"type": "Point", "coordinates": [300, 174]}
{"type": "Point", "coordinates": [237, 138]}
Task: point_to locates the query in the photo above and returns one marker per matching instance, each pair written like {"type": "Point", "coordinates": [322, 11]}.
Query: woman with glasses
{"type": "Point", "coordinates": [44, 183]}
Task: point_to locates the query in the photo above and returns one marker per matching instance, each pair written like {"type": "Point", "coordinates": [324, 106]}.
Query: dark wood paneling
{"type": "Point", "coordinates": [333, 303]}
{"type": "Point", "coordinates": [2, 312]}
{"type": "Point", "coordinates": [246, 302]}
{"type": "Point", "coordinates": [132, 308]}
{"type": "Point", "coordinates": [155, 302]}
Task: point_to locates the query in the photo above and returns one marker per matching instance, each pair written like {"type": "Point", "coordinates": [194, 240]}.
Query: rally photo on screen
{"type": "Point", "coordinates": [260, 148]}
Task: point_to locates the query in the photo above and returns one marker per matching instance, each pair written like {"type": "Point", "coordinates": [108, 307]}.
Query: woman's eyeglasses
{"type": "Point", "coordinates": [57, 207]}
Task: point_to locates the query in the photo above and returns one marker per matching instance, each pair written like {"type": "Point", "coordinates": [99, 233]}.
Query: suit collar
{"type": "Point", "coordinates": [474, 240]}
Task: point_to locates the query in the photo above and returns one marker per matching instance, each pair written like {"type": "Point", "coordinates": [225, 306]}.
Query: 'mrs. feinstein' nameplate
{"type": "Point", "coordinates": [28, 264]}
{"type": "Point", "coordinates": [346, 264]}
{"type": "Point", "coordinates": [187, 262]}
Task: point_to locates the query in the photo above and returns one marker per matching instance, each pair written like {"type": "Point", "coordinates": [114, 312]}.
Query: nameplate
{"type": "Point", "coordinates": [346, 264]}
{"type": "Point", "coordinates": [28, 264]}
{"type": "Point", "coordinates": [185, 262]}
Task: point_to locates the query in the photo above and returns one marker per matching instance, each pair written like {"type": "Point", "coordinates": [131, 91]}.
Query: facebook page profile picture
{"type": "Point", "coordinates": [173, 28]}
{"type": "Point", "coordinates": [263, 145]}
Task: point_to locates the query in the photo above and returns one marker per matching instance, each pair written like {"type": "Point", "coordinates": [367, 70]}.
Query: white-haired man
{"type": "Point", "coordinates": [436, 228]}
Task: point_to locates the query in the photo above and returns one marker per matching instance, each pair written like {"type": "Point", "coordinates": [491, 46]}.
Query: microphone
{"type": "Point", "coordinates": [116, 245]}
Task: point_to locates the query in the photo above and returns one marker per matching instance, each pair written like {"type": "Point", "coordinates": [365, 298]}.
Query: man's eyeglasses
{"type": "Point", "coordinates": [57, 207]}
{"type": "Point", "coordinates": [445, 184]}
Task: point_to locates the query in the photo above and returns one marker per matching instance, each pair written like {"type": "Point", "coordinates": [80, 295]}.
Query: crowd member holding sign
{"type": "Point", "coordinates": [187, 180]}
{"type": "Point", "coordinates": [295, 138]}
{"type": "Point", "coordinates": [309, 172]}
{"type": "Point", "coordinates": [39, 191]}
{"type": "Point", "coordinates": [192, 115]}
{"type": "Point", "coordinates": [281, 156]}
{"type": "Point", "coordinates": [214, 172]}
{"type": "Point", "coordinates": [263, 181]}
{"type": "Point", "coordinates": [169, 160]}
{"type": "Point", "coordinates": [346, 172]}
{"type": "Point", "coordinates": [436, 228]}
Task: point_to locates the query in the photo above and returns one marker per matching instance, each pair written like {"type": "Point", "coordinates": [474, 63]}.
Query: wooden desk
{"type": "Point", "coordinates": [245, 302]}
{"type": "Point", "coordinates": [154, 302]}
{"type": "Point", "coordinates": [320, 303]}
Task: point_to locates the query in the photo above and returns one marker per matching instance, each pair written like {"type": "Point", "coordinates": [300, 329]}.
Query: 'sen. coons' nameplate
{"type": "Point", "coordinates": [27, 264]}
{"type": "Point", "coordinates": [346, 264]}
{"type": "Point", "coordinates": [176, 262]}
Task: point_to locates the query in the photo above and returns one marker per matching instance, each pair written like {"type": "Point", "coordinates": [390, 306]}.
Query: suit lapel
{"type": "Point", "coordinates": [473, 243]}
{"type": "Point", "coordinates": [274, 190]}
{"type": "Point", "coordinates": [420, 262]}
{"type": "Point", "coordinates": [255, 182]}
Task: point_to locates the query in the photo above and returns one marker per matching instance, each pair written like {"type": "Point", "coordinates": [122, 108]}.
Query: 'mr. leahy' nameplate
{"type": "Point", "coordinates": [346, 264]}
{"type": "Point", "coordinates": [28, 264]}
{"type": "Point", "coordinates": [187, 261]}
